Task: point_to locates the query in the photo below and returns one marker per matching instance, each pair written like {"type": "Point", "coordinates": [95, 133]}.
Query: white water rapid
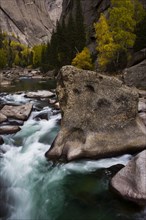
{"type": "Point", "coordinates": [34, 188]}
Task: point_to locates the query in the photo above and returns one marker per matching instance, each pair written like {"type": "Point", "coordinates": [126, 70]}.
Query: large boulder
{"type": "Point", "coordinates": [136, 75]}
{"type": "Point", "coordinates": [130, 182]}
{"type": "Point", "coordinates": [99, 116]}
{"type": "Point", "coordinates": [18, 112]}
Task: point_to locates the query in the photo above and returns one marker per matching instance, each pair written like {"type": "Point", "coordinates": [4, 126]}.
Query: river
{"type": "Point", "coordinates": [33, 188]}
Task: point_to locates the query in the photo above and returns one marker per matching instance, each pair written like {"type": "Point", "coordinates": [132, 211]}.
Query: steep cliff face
{"type": "Point", "coordinates": [31, 20]}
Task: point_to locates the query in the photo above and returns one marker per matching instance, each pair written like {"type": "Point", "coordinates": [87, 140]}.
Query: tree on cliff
{"type": "Point", "coordinates": [115, 36]}
{"type": "Point", "coordinates": [83, 60]}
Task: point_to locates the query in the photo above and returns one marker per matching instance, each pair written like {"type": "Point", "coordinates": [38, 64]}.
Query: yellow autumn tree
{"type": "Point", "coordinates": [106, 46]}
{"type": "Point", "coordinates": [3, 58]}
{"type": "Point", "coordinates": [115, 36]}
{"type": "Point", "coordinates": [83, 60]}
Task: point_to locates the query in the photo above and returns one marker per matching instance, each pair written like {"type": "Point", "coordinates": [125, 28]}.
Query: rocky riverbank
{"type": "Point", "coordinates": [13, 113]}
{"type": "Point", "coordinates": [7, 76]}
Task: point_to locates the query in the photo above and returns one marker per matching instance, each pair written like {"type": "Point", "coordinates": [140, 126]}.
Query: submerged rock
{"type": "Point", "coordinates": [99, 117]}
{"type": "Point", "coordinates": [8, 129]}
{"type": "Point", "coordinates": [21, 112]}
{"type": "Point", "coordinates": [39, 94]}
{"type": "Point", "coordinates": [130, 182]}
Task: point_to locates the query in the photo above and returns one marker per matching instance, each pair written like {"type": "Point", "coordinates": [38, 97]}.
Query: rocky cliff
{"type": "Point", "coordinates": [31, 21]}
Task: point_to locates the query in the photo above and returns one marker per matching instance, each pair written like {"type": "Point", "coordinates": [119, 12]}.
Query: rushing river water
{"type": "Point", "coordinates": [33, 188]}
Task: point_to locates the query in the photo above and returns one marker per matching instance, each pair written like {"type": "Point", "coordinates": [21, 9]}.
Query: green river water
{"type": "Point", "coordinates": [33, 188]}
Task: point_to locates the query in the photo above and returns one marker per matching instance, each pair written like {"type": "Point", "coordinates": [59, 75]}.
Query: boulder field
{"type": "Point", "coordinates": [99, 117]}
{"type": "Point", "coordinates": [21, 112]}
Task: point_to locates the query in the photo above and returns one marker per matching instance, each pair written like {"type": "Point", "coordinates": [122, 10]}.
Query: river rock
{"type": "Point", "coordinates": [99, 116]}
{"type": "Point", "coordinates": [130, 182]}
{"type": "Point", "coordinates": [39, 94]}
{"type": "Point", "coordinates": [8, 129]}
{"type": "Point", "coordinates": [21, 112]}
{"type": "Point", "coordinates": [136, 75]}
{"type": "Point", "coordinates": [2, 118]}
{"type": "Point", "coordinates": [142, 105]}
{"type": "Point", "coordinates": [1, 140]}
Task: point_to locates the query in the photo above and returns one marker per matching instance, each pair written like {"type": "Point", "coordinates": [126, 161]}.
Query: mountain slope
{"type": "Point", "coordinates": [32, 21]}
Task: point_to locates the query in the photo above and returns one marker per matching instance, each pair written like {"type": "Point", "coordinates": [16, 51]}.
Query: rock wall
{"type": "Point", "coordinates": [32, 21]}
{"type": "Point", "coordinates": [100, 117]}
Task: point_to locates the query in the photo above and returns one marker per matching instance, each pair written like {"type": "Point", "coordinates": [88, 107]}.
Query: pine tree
{"type": "Point", "coordinates": [80, 30]}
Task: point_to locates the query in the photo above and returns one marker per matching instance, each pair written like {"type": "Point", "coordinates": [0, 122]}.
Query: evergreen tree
{"type": "Point", "coordinates": [71, 40]}
{"type": "Point", "coordinates": [80, 30]}
{"type": "Point", "coordinates": [67, 40]}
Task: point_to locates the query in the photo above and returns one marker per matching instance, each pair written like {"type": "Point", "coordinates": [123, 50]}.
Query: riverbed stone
{"type": "Point", "coordinates": [1, 140]}
{"type": "Point", "coordinates": [8, 129]}
{"type": "Point", "coordinates": [100, 117]}
{"type": "Point", "coordinates": [130, 182]}
{"type": "Point", "coordinates": [21, 112]}
{"type": "Point", "coordinates": [40, 94]}
{"type": "Point", "coordinates": [2, 117]}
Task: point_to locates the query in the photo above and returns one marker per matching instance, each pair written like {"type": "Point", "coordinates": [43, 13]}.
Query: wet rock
{"type": "Point", "coordinates": [130, 182]}
{"type": "Point", "coordinates": [2, 118]}
{"type": "Point", "coordinates": [15, 122]}
{"type": "Point", "coordinates": [1, 140]}
{"type": "Point", "coordinates": [8, 129]}
{"type": "Point", "coordinates": [43, 116]}
{"type": "Point", "coordinates": [57, 106]}
{"type": "Point", "coordinates": [21, 112]}
{"type": "Point", "coordinates": [142, 105]}
{"type": "Point", "coordinates": [39, 94]}
{"type": "Point", "coordinates": [115, 168]}
{"type": "Point", "coordinates": [100, 117]}
{"type": "Point", "coordinates": [135, 75]}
